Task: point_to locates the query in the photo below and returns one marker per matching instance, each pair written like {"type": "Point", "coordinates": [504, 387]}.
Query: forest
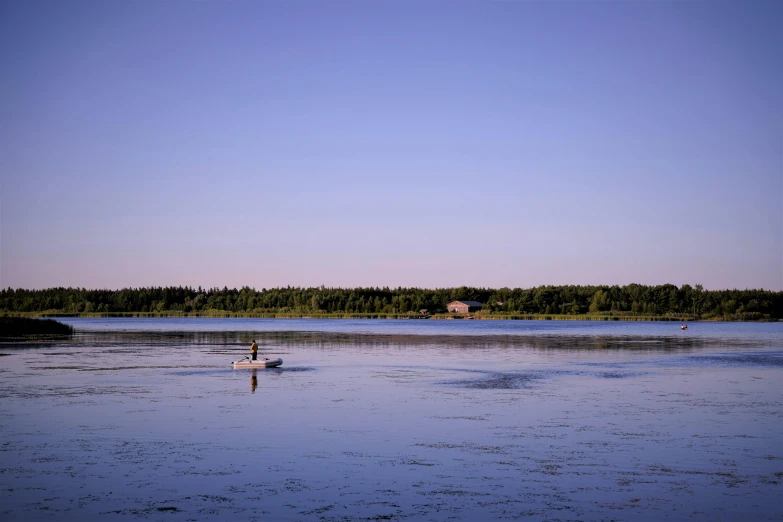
{"type": "Point", "coordinates": [616, 301]}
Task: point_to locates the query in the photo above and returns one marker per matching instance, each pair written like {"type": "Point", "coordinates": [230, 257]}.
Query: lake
{"type": "Point", "coordinates": [394, 420]}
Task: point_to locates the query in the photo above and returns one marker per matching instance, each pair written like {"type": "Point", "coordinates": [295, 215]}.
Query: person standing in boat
{"type": "Point", "coordinates": [254, 350]}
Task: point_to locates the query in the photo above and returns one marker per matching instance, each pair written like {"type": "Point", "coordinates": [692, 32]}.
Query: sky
{"type": "Point", "coordinates": [408, 143]}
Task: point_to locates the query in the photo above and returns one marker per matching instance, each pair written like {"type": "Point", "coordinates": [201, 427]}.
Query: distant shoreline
{"type": "Point", "coordinates": [481, 316]}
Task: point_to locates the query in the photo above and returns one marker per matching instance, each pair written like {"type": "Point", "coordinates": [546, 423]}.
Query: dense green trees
{"type": "Point", "coordinates": [631, 299]}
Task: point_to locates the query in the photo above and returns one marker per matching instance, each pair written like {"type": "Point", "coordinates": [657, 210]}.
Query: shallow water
{"type": "Point", "coordinates": [394, 420]}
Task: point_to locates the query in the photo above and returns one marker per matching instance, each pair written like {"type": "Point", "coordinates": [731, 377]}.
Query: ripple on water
{"type": "Point", "coordinates": [745, 359]}
{"type": "Point", "coordinates": [618, 375]}
{"type": "Point", "coordinates": [497, 381]}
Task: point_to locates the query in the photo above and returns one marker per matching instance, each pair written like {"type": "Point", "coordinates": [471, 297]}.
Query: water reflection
{"type": "Point", "coordinates": [253, 380]}
{"type": "Point", "coordinates": [537, 342]}
{"type": "Point", "coordinates": [272, 340]}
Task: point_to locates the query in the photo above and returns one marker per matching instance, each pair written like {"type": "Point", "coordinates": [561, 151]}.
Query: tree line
{"type": "Point", "coordinates": [633, 299]}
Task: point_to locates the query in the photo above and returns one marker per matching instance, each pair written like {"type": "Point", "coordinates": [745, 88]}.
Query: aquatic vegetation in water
{"type": "Point", "coordinates": [27, 328]}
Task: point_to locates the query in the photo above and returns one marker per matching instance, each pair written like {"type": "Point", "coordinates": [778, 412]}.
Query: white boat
{"type": "Point", "coordinates": [260, 363]}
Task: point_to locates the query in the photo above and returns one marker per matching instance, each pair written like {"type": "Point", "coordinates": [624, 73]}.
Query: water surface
{"type": "Point", "coordinates": [394, 420]}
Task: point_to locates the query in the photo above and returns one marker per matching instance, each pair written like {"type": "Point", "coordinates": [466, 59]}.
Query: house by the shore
{"type": "Point", "coordinates": [463, 307]}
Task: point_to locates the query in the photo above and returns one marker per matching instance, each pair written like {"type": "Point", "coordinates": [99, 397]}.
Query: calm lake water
{"type": "Point", "coordinates": [394, 420]}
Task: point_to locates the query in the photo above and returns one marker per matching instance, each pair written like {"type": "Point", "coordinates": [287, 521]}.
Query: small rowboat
{"type": "Point", "coordinates": [261, 363]}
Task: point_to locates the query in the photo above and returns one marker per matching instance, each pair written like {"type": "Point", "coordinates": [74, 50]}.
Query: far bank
{"type": "Point", "coordinates": [479, 316]}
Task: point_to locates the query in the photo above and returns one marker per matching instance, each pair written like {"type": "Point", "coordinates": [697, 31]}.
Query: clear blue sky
{"type": "Point", "coordinates": [410, 143]}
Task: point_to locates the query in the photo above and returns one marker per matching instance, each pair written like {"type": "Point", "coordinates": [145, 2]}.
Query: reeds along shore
{"type": "Point", "coordinates": [25, 326]}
